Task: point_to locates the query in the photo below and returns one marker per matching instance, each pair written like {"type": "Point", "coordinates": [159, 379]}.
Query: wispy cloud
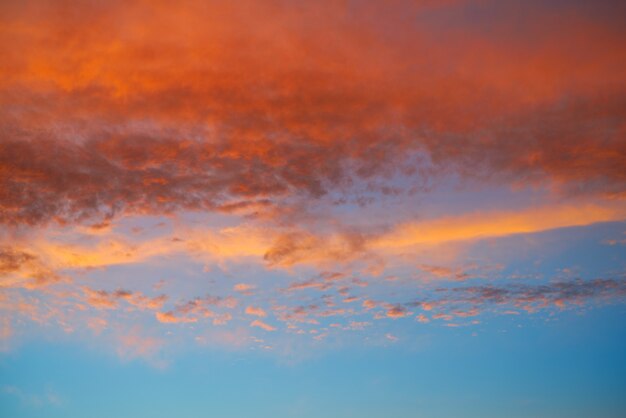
{"type": "Point", "coordinates": [49, 398]}
{"type": "Point", "coordinates": [262, 325]}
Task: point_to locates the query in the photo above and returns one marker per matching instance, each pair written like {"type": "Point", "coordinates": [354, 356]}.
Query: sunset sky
{"type": "Point", "coordinates": [330, 208]}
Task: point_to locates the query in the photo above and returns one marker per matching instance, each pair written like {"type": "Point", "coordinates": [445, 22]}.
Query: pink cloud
{"type": "Point", "coordinates": [256, 311]}
{"type": "Point", "coordinates": [133, 344]}
{"type": "Point", "coordinates": [397, 311]}
{"type": "Point", "coordinates": [369, 304]}
{"type": "Point", "coordinates": [262, 325]}
{"type": "Point", "coordinates": [422, 318]}
{"type": "Point", "coordinates": [102, 299]}
{"type": "Point", "coordinates": [97, 325]}
{"type": "Point", "coordinates": [243, 287]}
{"type": "Point", "coordinates": [170, 318]}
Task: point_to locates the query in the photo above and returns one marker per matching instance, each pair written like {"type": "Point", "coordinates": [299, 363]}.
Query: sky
{"type": "Point", "coordinates": [403, 208]}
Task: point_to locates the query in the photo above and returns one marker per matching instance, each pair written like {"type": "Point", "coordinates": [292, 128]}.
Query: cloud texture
{"type": "Point", "coordinates": [285, 169]}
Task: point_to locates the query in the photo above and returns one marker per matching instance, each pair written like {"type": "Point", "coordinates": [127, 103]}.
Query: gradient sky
{"type": "Point", "coordinates": [333, 208]}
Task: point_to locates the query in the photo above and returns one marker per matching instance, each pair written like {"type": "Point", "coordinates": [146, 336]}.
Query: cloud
{"type": "Point", "coordinates": [111, 128]}
{"type": "Point", "coordinates": [333, 312]}
{"type": "Point", "coordinates": [422, 318]}
{"type": "Point", "coordinates": [102, 299]}
{"type": "Point", "coordinates": [299, 314]}
{"type": "Point", "coordinates": [134, 344]}
{"type": "Point", "coordinates": [262, 325]}
{"type": "Point", "coordinates": [193, 310]}
{"type": "Point", "coordinates": [170, 318]}
{"type": "Point", "coordinates": [6, 332]}
{"type": "Point", "coordinates": [304, 247]}
{"type": "Point", "coordinates": [243, 241]}
{"type": "Point", "coordinates": [256, 311]}
{"type": "Point", "coordinates": [243, 288]}
{"type": "Point", "coordinates": [358, 325]}
{"type": "Point", "coordinates": [523, 296]}
{"type": "Point", "coordinates": [305, 138]}
{"type": "Point", "coordinates": [466, 314]}
{"type": "Point", "coordinates": [97, 325]}
{"type": "Point", "coordinates": [397, 311]}
{"type": "Point", "coordinates": [47, 399]}
{"type": "Point", "coordinates": [495, 224]}
{"type": "Point", "coordinates": [444, 272]}
{"type": "Point", "coordinates": [369, 304]}
{"type": "Point", "coordinates": [20, 268]}
{"type": "Point", "coordinates": [323, 282]}
{"type": "Point", "coordinates": [340, 250]}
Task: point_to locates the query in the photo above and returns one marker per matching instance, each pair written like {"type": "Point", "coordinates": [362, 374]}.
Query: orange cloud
{"type": "Point", "coordinates": [262, 325]}
{"type": "Point", "coordinates": [422, 318]}
{"type": "Point", "coordinates": [468, 313]}
{"type": "Point", "coordinates": [248, 241]}
{"type": "Point", "coordinates": [369, 304]}
{"type": "Point", "coordinates": [332, 312]}
{"type": "Point", "coordinates": [301, 314]}
{"type": "Point", "coordinates": [215, 123]}
{"type": "Point", "coordinates": [252, 310]}
{"type": "Point", "coordinates": [170, 318]}
{"type": "Point", "coordinates": [20, 268]}
{"type": "Point", "coordinates": [102, 299]}
{"type": "Point", "coordinates": [277, 115]}
{"type": "Point", "coordinates": [243, 287]}
{"type": "Point", "coordinates": [496, 224]}
{"type": "Point", "coordinates": [192, 310]}
{"type": "Point", "coordinates": [397, 311]}
{"type": "Point", "coordinates": [444, 272]}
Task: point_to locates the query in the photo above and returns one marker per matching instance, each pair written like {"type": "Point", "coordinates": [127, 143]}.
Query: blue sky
{"type": "Point", "coordinates": [572, 367]}
{"type": "Point", "coordinates": [548, 362]}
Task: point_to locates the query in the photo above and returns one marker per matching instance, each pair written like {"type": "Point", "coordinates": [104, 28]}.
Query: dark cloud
{"type": "Point", "coordinates": [12, 260]}
{"type": "Point", "coordinates": [274, 103]}
{"type": "Point", "coordinates": [526, 296]}
{"type": "Point", "coordinates": [193, 310]}
{"type": "Point", "coordinates": [20, 268]}
{"type": "Point", "coordinates": [102, 299]}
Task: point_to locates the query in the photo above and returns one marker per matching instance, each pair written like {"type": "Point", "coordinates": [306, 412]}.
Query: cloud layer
{"type": "Point", "coordinates": [255, 171]}
{"type": "Point", "coordinates": [182, 112]}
